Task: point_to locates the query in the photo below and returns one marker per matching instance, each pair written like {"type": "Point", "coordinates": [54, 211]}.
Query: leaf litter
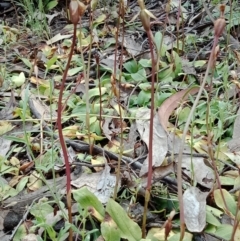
{"type": "Point", "coordinates": [31, 156]}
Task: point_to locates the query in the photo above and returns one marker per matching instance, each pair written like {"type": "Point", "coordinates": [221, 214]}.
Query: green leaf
{"type": "Point", "coordinates": [22, 184]}
{"type": "Point", "coordinates": [199, 63]}
{"type": "Point", "coordinates": [157, 234]}
{"type": "Point", "coordinates": [161, 97]}
{"type": "Point", "coordinates": [176, 237]}
{"type": "Point", "coordinates": [16, 139]}
{"type": "Point", "coordinates": [146, 63]}
{"type": "Point", "coordinates": [177, 61]}
{"type": "Point", "coordinates": [110, 230]}
{"type": "Point", "coordinates": [51, 61]}
{"type": "Point", "coordinates": [145, 86]}
{"type": "Point", "coordinates": [183, 114]}
{"type": "Point", "coordinates": [229, 200]}
{"type": "Point", "coordinates": [100, 19]}
{"type": "Point", "coordinates": [51, 5]}
{"type": "Point", "coordinates": [226, 181]}
{"type": "Point", "coordinates": [166, 72]}
{"type": "Point", "coordinates": [41, 209]}
{"type": "Point", "coordinates": [26, 62]}
{"type": "Point", "coordinates": [128, 228]}
{"type": "Point", "coordinates": [21, 233]}
{"type": "Point", "coordinates": [74, 71]}
{"type": "Point", "coordinates": [94, 92]}
{"type": "Point", "coordinates": [5, 127]}
{"type": "Point", "coordinates": [18, 80]}
{"type": "Point", "coordinates": [87, 199]}
{"type": "Point", "coordinates": [95, 127]}
{"type": "Point", "coordinates": [237, 183]}
{"type": "Point", "coordinates": [109, 42]}
{"type": "Point", "coordinates": [7, 191]}
{"type": "Point", "coordinates": [139, 76]}
{"type": "Point", "coordinates": [143, 98]}
{"type": "Point", "coordinates": [11, 193]}
{"type": "Point", "coordinates": [4, 169]}
{"type": "Point", "coordinates": [131, 66]}
{"type": "Point", "coordinates": [211, 219]}
{"type": "Point", "coordinates": [216, 212]}
{"type": "Point", "coordinates": [224, 231]}
{"type": "Point", "coordinates": [161, 47]}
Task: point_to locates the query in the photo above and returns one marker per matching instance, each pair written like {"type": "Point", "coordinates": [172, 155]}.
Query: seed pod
{"type": "Point", "coordinates": [168, 7]}
{"type": "Point", "coordinates": [94, 4]}
{"type": "Point", "coordinates": [141, 4]}
{"type": "Point", "coordinates": [219, 26]}
{"type": "Point", "coordinates": [74, 12]}
{"type": "Point", "coordinates": [145, 19]}
{"type": "Point", "coordinates": [222, 9]}
{"type": "Point", "coordinates": [81, 8]}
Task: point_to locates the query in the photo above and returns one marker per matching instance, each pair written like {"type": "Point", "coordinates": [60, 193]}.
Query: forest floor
{"type": "Point", "coordinates": [106, 121]}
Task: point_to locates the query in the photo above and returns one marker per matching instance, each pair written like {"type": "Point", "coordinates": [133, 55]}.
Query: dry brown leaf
{"type": "Point", "coordinates": [203, 174]}
{"type": "Point", "coordinates": [5, 146]}
{"type": "Point", "coordinates": [171, 103]}
{"type": "Point", "coordinates": [194, 202]}
{"type": "Point", "coordinates": [42, 108]}
{"type": "Point", "coordinates": [158, 173]}
{"type": "Point", "coordinates": [100, 183]}
{"type": "Point", "coordinates": [160, 145]}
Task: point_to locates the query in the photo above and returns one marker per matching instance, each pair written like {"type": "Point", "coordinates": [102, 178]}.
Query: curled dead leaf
{"type": "Point", "coordinates": [173, 102]}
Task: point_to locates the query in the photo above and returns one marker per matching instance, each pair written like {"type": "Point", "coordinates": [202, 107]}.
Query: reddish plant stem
{"type": "Point", "coordinates": [100, 89]}
{"type": "Point", "coordinates": [150, 154]}
{"type": "Point", "coordinates": [150, 144]}
{"type": "Point", "coordinates": [236, 221]}
{"type": "Point", "coordinates": [121, 15]}
{"type": "Point", "coordinates": [211, 63]}
{"type": "Point", "coordinates": [116, 93]}
{"type": "Point", "coordinates": [60, 133]}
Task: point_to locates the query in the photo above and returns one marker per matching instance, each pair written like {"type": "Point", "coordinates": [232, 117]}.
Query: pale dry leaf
{"type": "Point", "coordinates": [194, 206]}
{"type": "Point", "coordinates": [35, 68]}
{"type": "Point", "coordinates": [50, 17]}
{"type": "Point", "coordinates": [30, 237]}
{"type": "Point", "coordinates": [35, 181]}
{"type": "Point", "coordinates": [133, 47]}
{"type": "Point", "coordinates": [188, 67]}
{"type": "Point", "coordinates": [98, 160]}
{"type": "Point", "coordinates": [195, 167]}
{"type": "Point", "coordinates": [100, 183]}
{"type": "Point", "coordinates": [160, 145]}
{"type": "Point", "coordinates": [18, 80]}
{"type": "Point", "coordinates": [130, 146]}
{"type": "Point", "coordinates": [173, 102]}
{"type": "Point", "coordinates": [53, 218]}
{"type": "Point", "coordinates": [236, 126]}
{"type": "Point", "coordinates": [4, 236]}
{"type": "Point", "coordinates": [58, 37]}
{"type": "Point", "coordinates": [174, 144]}
{"type": "Point", "coordinates": [235, 155]}
{"type": "Point", "coordinates": [234, 144]}
{"type": "Point", "coordinates": [71, 157]}
{"type": "Point", "coordinates": [106, 128]}
{"type": "Point", "coordinates": [108, 61]}
{"type": "Point", "coordinates": [7, 113]}
{"type": "Point", "coordinates": [5, 127]}
{"type": "Point", "coordinates": [158, 173]}
{"type": "Point", "coordinates": [43, 109]}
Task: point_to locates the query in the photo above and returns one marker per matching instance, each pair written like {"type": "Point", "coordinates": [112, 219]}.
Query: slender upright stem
{"type": "Point", "coordinates": [150, 145]}
{"type": "Point", "coordinates": [118, 98]}
{"type": "Point", "coordinates": [60, 132]}
{"type": "Point", "coordinates": [180, 154]}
